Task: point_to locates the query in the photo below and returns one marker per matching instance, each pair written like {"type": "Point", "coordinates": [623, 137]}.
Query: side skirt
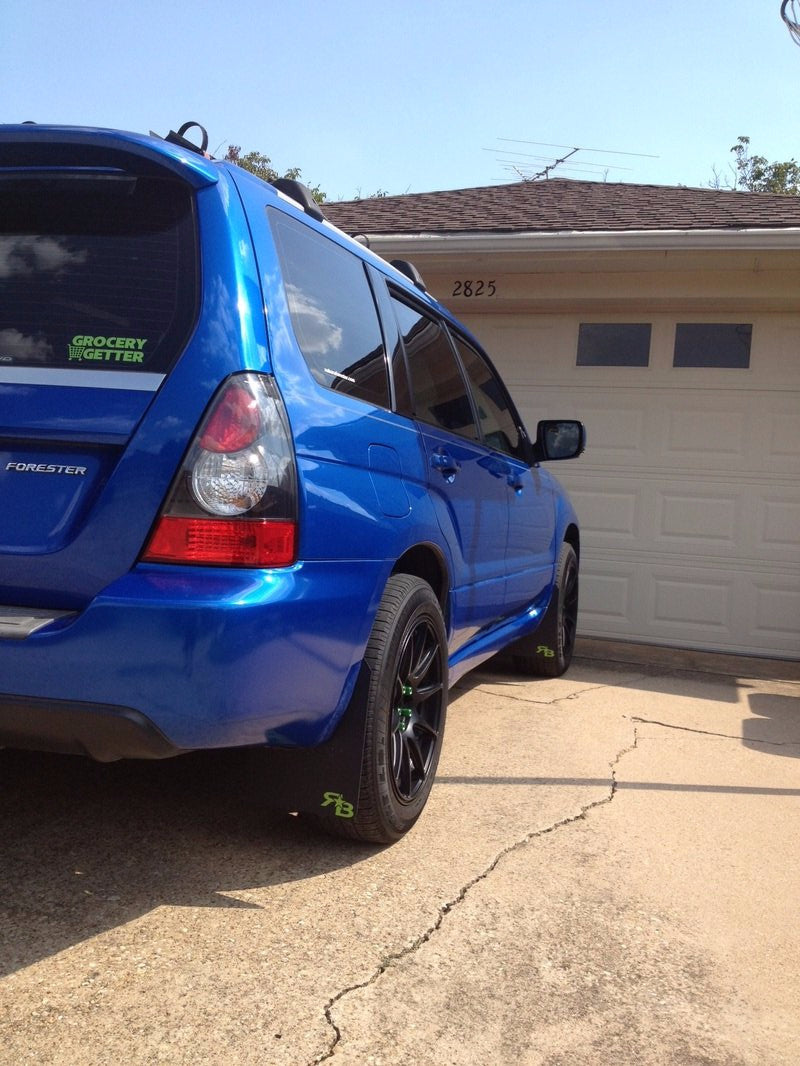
{"type": "Point", "coordinates": [491, 641]}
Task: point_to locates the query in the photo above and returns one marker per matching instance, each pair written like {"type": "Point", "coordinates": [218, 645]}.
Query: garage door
{"type": "Point", "coordinates": [688, 493]}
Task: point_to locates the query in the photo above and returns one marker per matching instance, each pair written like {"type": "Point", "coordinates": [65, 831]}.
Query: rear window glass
{"type": "Point", "coordinates": [96, 273]}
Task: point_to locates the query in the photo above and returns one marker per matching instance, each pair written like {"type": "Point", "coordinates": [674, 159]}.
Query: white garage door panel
{"type": "Point", "coordinates": [688, 494]}
{"type": "Point", "coordinates": [685, 517]}
{"type": "Point", "coordinates": [695, 600]}
{"type": "Point", "coordinates": [776, 610]}
{"type": "Point", "coordinates": [613, 512]}
{"type": "Point", "coordinates": [701, 519]}
{"type": "Point", "coordinates": [666, 430]}
{"type": "Point", "coordinates": [607, 597]}
{"type": "Point", "coordinates": [779, 526]}
{"type": "Point", "coordinates": [778, 423]}
{"type": "Point", "coordinates": [713, 428]}
{"type": "Point", "coordinates": [716, 610]}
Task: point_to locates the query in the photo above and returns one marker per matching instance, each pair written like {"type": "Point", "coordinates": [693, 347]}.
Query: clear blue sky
{"type": "Point", "coordinates": [413, 96]}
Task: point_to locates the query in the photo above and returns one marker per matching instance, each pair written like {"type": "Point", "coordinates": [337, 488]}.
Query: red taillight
{"type": "Point", "coordinates": [222, 541]}
{"type": "Point", "coordinates": [234, 501]}
{"type": "Point", "coordinates": [234, 424]}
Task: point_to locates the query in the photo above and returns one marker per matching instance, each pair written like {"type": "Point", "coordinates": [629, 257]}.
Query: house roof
{"type": "Point", "coordinates": [561, 205]}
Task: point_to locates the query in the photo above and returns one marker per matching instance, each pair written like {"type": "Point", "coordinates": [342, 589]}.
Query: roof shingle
{"type": "Point", "coordinates": [560, 205]}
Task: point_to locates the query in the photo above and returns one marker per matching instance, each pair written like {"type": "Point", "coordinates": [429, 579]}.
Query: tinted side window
{"type": "Point", "coordinates": [497, 421]}
{"type": "Point", "coordinates": [438, 389]}
{"type": "Point", "coordinates": [333, 312]}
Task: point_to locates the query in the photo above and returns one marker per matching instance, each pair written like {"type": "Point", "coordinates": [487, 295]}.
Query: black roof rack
{"type": "Point", "coordinates": [410, 272]}
{"type": "Point", "coordinates": [301, 194]}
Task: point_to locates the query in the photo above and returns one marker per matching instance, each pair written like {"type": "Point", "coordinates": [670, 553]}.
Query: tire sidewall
{"type": "Point", "coordinates": [418, 604]}
{"type": "Point", "coordinates": [567, 566]}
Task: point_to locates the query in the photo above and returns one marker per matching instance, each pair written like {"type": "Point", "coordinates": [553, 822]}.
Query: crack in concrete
{"type": "Point", "coordinates": [709, 733]}
{"type": "Point", "coordinates": [542, 703]}
{"type": "Point", "coordinates": [447, 908]}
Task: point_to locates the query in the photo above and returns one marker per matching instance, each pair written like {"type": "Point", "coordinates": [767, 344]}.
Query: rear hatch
{"type": "Point", "coordinates": [99, 293]}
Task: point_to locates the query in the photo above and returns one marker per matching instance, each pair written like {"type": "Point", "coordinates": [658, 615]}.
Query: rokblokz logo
{"type": "Point", "coordinates": [107, 349]}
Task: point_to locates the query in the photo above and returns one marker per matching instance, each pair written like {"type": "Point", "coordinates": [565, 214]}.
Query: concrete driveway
{"type": "Point", "coordinates": [607, 872]}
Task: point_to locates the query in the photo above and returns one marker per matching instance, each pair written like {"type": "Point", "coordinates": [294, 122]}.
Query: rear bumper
{"type": "Point", "coordinates": [170, 659]}
{"type": "Point", "coordinates": [103, 733]}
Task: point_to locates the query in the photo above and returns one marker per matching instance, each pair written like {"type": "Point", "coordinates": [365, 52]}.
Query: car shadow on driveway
{"type": "Point", "coordinates": [86, 847]}
{"type": "Point", "coordinates": [779, 715]}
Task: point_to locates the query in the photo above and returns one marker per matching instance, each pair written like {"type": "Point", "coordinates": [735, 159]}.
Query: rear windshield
{"type": "Point", "coordinates": [95, 272]}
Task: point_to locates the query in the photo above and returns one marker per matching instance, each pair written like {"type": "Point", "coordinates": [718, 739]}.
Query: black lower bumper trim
{"type": "Point", "coordinates": [102, 731]}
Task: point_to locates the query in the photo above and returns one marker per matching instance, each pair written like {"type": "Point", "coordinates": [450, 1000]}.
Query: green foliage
{"type": "Point", "coordinates": [261, 165]}
{"type": "Point", "coordinates": [754, 173]}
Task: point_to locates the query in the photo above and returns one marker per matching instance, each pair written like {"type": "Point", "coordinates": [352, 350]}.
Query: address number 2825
{"type": "Point", "coordinates": [470, 289]}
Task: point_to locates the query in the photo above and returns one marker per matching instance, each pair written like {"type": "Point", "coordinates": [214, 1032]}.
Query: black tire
{"type": "Point", "coordinates": [405, 712]}
{"type": "Point", "coordinates": [547, 652]}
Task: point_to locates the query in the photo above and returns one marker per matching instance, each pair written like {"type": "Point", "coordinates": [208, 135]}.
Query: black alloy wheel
{"type": "Point", "coordinates": [417, 710]}
{"type": "Point", "coordinates": [405, 711]}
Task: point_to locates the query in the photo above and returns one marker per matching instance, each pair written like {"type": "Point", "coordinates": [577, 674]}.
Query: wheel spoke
{"type": "Point", "coordinates": [424, 662]}
{"type": "Point", "coordinates": [427, 728]}
{"type": "Point", "coordinates": [401, 764]}
{"type": "Point", "coordinates": [424, 694]}
{"type": "Point", "coordinates": [415, 755]}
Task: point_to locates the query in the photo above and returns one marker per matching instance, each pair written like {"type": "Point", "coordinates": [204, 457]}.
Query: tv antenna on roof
{"type": "Point", "coordinates": [791, 16]}
{"type": "Point", "coordinates": [532, 167]}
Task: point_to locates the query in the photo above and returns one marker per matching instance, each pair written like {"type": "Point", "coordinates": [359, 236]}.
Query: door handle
{"type": "Point", "coordinates": [446, 465]}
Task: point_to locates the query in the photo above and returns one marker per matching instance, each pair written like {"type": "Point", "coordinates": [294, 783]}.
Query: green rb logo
{"type": "Point", "coordinates": [342, 809]}
{"type": "Point", "coordinates": [548, 653]}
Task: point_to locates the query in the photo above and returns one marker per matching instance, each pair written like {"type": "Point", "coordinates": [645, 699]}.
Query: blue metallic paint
{"type": "Point", "coordinates": [214, 657]}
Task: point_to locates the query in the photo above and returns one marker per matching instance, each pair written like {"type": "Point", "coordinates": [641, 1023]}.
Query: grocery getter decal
{"type": "Point", "coordinates": [93, 349]}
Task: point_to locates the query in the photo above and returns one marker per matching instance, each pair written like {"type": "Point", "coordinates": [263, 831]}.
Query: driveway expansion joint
{"type": "Point", "coordinates": [459, 898]}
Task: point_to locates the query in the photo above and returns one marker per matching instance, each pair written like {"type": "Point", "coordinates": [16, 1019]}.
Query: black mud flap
{"type": "Point", "coordinates": [325, 780]}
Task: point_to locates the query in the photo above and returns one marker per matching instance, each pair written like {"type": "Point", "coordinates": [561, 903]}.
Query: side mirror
{"type": "Point", "coordinates": [559, 440]}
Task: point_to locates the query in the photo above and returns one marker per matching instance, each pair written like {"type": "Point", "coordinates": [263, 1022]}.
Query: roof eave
{"type": "Point", "coordinates": [606, 240]}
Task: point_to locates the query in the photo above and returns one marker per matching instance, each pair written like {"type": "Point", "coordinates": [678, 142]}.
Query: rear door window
{"type": "Point", "coordinates": [96, 272]}
{"type": "Point", "coordinates": [440, 395]}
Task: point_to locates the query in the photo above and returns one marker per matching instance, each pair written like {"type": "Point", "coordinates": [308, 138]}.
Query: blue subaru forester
{"type": "Point", "coordinates": [258, 487]}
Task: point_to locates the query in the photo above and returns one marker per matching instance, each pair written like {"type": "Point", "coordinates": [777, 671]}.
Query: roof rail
{"type": "Point", "coordinates": [410, 272]}
{"type": "Point", "coordinates": [301, 194]}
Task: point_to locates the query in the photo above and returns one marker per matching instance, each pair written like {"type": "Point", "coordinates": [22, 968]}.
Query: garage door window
{"type": "Point", "coordinates": [713, 344]}
{"type": "Point", "coordinates": [614, 344]}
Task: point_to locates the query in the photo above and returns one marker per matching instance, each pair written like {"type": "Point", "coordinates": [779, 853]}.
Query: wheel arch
{"type": "Point", "coordinates": [427, 562]}
{"type": "Point", "coordinates": [572, 537]}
